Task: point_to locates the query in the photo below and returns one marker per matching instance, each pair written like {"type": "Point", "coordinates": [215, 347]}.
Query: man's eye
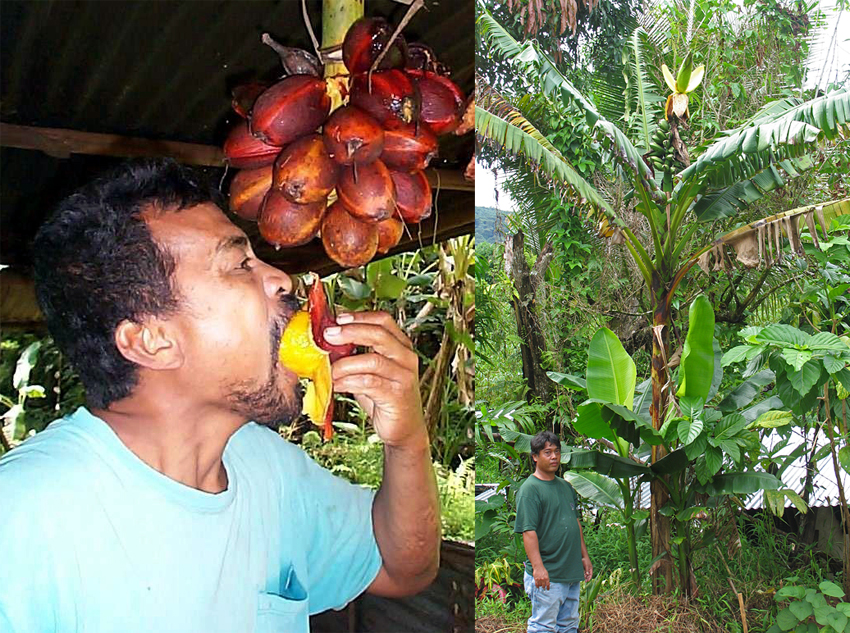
{"type": "Point", "coordinates": [246, 264]}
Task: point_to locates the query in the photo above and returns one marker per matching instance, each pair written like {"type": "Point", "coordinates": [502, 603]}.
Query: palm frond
{"type": "Point", "coordinates": [645, 114]}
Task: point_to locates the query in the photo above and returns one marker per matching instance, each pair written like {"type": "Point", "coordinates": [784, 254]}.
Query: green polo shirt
{"type": "Point", "coordinates": [549, 509]}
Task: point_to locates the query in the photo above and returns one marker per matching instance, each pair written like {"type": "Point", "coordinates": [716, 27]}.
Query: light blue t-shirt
{"type": "Point", "coordinates": [95, 540]}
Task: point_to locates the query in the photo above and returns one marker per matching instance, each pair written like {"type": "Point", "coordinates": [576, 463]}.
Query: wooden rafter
{"type": "Point", "coordinates": [61, 143]}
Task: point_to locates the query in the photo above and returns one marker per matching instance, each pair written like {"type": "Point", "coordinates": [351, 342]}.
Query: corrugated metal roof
{"type": "Point", "coordinates": [824, 482]}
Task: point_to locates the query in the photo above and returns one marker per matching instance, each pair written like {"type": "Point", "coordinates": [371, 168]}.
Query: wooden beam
{"type": "Point", "coordinates": [61, 143]}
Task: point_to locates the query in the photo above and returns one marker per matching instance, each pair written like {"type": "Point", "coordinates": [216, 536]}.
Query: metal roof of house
{"type": "Point", "coordinates": [824, 483]}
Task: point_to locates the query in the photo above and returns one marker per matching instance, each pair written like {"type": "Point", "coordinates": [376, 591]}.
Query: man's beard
{"type": "Point", "coordinates": [267, 404]}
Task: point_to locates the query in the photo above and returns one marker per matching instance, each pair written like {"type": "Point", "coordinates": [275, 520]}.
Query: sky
{"type": "Point", "coordinates": [832, 66]}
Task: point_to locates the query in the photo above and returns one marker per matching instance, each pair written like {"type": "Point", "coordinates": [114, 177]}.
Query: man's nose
{"type": "Point", "coordinates": [276, 281]}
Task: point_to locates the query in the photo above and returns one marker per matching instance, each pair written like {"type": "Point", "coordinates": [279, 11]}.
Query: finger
{"type": "Point", "coordinates": [383, 319]}
{"type": "Point", "coordinates": [375, 336]}
{"type": "Point", "coordinates": [372, 386]}
{"type": "Point", "coordinates": [372, 363]}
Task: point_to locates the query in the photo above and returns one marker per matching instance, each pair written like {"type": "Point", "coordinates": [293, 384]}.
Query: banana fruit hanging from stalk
{"type": "Point", "coordinates": [662, 154]}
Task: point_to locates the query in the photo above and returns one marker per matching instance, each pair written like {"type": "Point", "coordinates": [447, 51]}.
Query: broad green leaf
{"type": "Point", "coordinates": [629, 425]}
{"type": "Point", "coordinates": [697, 447]}
{"type": "Point", "coordinates": [783, 335]}
{"type": "Point", "coordinates": [737, 353]}
{"type": "Point", "coordinates": [791, 591]}
{"type": "Point", "coordinates": [838, 621]}
{"type": "Point", "coordinates": [844, 458]}
{"type": "Point", "coordinates": [731, 448]}
{"type": "Point", "coordinates": [746, 391]}
{"type": "Point", "coordinates": [354, 289]}
{"type": "Point", "coordinates": [697, 364]}
{"type": "Point", "coordinates": [604, 463]}
{"type": "Point", "coordinates": [833, 364]}
{"type": "Point", "coordinates": [742, 483]}
{"type": "Point", "coordinates": [805, 378]}
{"type": "Point", "coordinates": [689, 430]}
{"type": "Point", "coordinates": [822, 614]}
{"type": "Point", "coordinates": [600, 489]}
{"type": "Point", "coordinates": [801, 609]}
{"type": "Point", "coordinates": [589, 422]}
{"type": "Point", "coordinates": [611, 372]}
{"type": "Point", "coordinates": [827, 341]}
{"type": "Point", "coordinates": [713, 460]}
{"type": "Point", "coordinates": [692, 406]}
{"type": "Point", "coordinates": [390, 286]}
{"type": "Point", "coordinates": [730, 426]}
{"type": "Point", "coordinates": [831, 589]}
{"type": "Point", "coordinates": [675, 462]}
{"type": "Point", "coordinates": [752, 413]}
{"type": "Point", "coordinates": [772, 420]}
{"type": "Point", "coordinates": [567, 380]}
{"type": "Point", "coordinates": [796, 358]}
{"type": "Point", "coordinates": [786, 620]}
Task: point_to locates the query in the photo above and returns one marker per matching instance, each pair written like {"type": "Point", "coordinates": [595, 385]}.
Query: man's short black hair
{"type": "Point", "coordinates": [539, 441]}
{"type": "Point", "coordinates": [96, 264]}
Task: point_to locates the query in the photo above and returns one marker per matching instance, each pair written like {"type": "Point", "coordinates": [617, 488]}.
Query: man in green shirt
{"type": "Point", "coordinates": [553, 539]}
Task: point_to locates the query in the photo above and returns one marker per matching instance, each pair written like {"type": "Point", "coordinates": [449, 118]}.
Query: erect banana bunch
{"type": "Point", "coordinates": [662, 154]}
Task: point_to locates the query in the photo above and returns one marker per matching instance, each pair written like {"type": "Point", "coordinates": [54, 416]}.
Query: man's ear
{"type": "Point", "coordinates": [150, 344]}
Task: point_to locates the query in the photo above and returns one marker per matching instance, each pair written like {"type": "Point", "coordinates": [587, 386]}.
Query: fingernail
{"type": "Point", "coordinates": [332, 331]}
{"type": "Point", "coordinates": [342, 319]}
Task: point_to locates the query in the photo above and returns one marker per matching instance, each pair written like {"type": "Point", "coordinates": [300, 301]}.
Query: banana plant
{"type": "Point", "coordinates": [736, 170]}
{"type": "Point", "coordinates": [705, 445]}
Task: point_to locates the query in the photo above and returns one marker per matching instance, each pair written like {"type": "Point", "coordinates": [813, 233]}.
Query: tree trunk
{"type": "Point", "coordinates": [533, 344]}
{"type": "Point", "coordinates": [661, 571]}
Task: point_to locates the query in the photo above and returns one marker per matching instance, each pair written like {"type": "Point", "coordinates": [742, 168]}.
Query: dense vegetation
{"type": "Point", "coordinates": [640, 319]}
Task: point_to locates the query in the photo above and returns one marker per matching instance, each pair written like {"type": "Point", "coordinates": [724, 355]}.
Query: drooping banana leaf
{"type": "Point", "coordinates": [731, 200]}
{"type": "Point", "coordinates": [498, 122]}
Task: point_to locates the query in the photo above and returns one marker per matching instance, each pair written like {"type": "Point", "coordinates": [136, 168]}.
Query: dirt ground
{"type": "Point", "coordinates": [627, 613]}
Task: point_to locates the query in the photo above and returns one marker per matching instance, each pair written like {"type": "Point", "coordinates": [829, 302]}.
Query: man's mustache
{"type": "Point", "coordinates": [289, 305]}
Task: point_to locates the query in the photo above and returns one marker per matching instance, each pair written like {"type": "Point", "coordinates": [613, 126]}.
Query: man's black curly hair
{"type": "Point", "coordinates": [96, 264]}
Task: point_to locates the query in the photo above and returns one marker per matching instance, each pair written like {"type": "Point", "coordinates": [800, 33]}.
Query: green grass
{"type": "Point", "coordinates": [759, 567]}
{"type": "Point", "coordinates": [511, 613]}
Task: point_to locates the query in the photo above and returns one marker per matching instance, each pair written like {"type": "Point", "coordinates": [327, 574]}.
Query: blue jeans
{"type": "Point", "coordinates": [554, 610]}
